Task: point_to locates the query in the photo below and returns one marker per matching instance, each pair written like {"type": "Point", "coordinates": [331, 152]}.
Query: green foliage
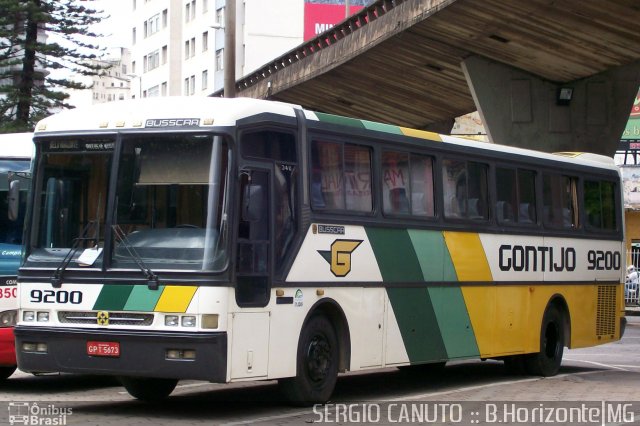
{"type": "Point", "coordinates": [28, 92]}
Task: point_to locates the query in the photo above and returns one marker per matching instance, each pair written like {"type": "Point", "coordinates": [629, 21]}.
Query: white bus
{"type": "Point", "coordinates": [237, 239]}
{"type": "Point", "coordinates": [16, 150]}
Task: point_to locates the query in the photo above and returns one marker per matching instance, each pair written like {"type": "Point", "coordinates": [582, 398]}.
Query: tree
{"type": "Point", "coordinates": [28, 91]}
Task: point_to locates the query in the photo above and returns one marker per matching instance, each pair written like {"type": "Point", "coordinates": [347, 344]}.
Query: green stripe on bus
{"type": "Point", "coordinates": [143, 299]}
{"type": "Point", "coordinates": [394, 252]}
{"type": "Point", "coordinates": [337, 119]}
{"type": "Point", "coordinates": [454, 322]}
{"type": "Point", "coordinates": [381, 127]}
{"type": "Point", "coordinates": [112, 297]}
{"type": "Point", "coordinates": [418, 324]}
{"type": "Point", "coordinates": [433, 255]}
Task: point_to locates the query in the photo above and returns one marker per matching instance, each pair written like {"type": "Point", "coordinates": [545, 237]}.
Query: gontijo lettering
{"type": "Point", "coordinates": [172, 122]}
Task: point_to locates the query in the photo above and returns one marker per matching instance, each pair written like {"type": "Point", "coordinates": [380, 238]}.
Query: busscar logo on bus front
{"type": "Point", "coordinates": [102, 318]}
{"type": "Point", "coordinates": [339, 257]}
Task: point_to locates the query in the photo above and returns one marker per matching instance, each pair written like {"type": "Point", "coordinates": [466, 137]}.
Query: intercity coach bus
{"type": "Point", "coordinates": [16, 150]}
{"type": "Point", "coordinates": [238, 239]}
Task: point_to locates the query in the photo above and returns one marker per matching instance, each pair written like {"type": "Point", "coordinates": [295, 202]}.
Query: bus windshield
{"type": "Point", "coordinates": [168, 209]}
{"type": "Point", "coordinates": [170, 202]}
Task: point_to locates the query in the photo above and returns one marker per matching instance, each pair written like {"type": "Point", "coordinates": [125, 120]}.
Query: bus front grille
{"type": "Point", "coordinates": [606, 314]}
{"type": "Point", "coordinates": [114, 318]}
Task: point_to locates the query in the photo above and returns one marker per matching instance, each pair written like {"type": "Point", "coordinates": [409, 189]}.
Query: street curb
{"type": "Point", "coordinates": [632, 312]}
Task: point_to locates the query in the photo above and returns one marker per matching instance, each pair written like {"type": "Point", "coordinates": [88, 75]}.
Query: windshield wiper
{"type": "Point", "coordinates": [152, 278]}
{"type": "Point", "coordinates": [56, 278]}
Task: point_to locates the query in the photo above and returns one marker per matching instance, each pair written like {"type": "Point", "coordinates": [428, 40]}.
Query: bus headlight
{"type": "Point", "coordinates": [171, 320]}
{"type": "Point", "coordinates": [43, 317]}
{"type": "Point", "coordinates": [28, 316]}
{"type": "Point", "coordinates": [8, 318]}
{"type": "Point", "coordinates": [188, 321]}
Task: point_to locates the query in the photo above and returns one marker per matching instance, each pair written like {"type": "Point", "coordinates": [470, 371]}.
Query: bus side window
{"type": "Point", "coordinates": [395, 182]}
{"type": "Point", "coordinates": [327, 176]}
{"type": "Point", "coordinates": [600, 205]}
{"type": "Point", "coordinates": [560, 201]}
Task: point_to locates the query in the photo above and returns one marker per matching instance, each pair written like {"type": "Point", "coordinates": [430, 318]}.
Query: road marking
{"type": "Point", "coordinates": [426, 395]}
{"type": "Point", "coordinates": [599, 364]}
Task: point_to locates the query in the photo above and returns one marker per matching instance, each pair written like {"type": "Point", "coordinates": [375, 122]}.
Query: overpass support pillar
{"type": "Point", "coordinates": [521, 109]}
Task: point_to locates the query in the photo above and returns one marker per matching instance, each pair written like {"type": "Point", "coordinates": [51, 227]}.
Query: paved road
{"type": "Point", "coordinates": [470, 392]}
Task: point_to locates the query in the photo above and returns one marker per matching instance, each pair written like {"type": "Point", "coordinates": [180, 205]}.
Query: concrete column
{"type": "Point", "coordinates": [521, 109]}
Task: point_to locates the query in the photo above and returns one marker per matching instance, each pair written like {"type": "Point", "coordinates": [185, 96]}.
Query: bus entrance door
{"type": "Point", "coordinates": [250, 330]}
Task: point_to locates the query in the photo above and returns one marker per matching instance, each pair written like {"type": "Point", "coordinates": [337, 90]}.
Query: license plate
{"type": "Point", "coordinates": [103, 349]}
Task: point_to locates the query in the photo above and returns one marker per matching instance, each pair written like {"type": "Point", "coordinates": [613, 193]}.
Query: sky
{"type": "Point", "coordinates": [116, 32]}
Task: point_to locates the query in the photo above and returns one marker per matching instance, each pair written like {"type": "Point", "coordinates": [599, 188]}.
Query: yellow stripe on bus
{"type": "Point", "coordinates": [468, 257]}
{"type": "Point", "coordinates": [175, 298]}
{"type": "Point", "coordinates": [422, 134]}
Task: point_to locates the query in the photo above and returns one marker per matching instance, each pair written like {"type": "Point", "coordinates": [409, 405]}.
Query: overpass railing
{"type": "Point", "coordinates": [320, 42]}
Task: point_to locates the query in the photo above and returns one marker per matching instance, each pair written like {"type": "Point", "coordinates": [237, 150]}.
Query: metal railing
{"type": "Point", "coordinates": [632, 280]}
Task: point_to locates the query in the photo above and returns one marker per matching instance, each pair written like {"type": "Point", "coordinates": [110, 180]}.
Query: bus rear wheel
{"type": "Point", "coordinates": [316, 365]}
{"type": "Point", "coordinates": [547, 362]}
{"type": "Point", "coordinates": [148, 388]}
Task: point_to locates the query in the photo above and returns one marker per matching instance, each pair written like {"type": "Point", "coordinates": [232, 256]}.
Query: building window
{"type": "Point", "coordinates": [187, 12]}
{"type": "Point", "coordinates": [121, 97]}
{"type": "Point", "coordinates": [193, 47]}
{"type": "Point", "coordinates": [186, 49]}
{"type": "Point", "coordinates": [133, 67]}
{"type": "Point", "coordinates": [153, 92]}
{"type": "Point", "coordinates": [164, 55]}
{"type": "Point", "coordinates": [193, 9]}
{"type": "Point", "coordinates": [205, 79]}
{"type": "Point", "coordinates": [152, 25]}
{"type": "Point", "coordinates": [165, 18]}
{"type": "Point", "coordinates": [220, 16]}
{"type": "Point", "coordinates": [134, 4]}
{"type": "Point", "coordinates": [152, 60]}
{"type": "Point", "coordinates": [205, 6]}
{"type": "Point", "coordinates": [133, 35]}
{"type": "Point", "coordinates": [205, 41]}
{"type": "Point", "coordinates": [219, 60]}
{"type": "Point", "coordinates": [193, 85]}
{"type": "Point", "coordinates": [186, 87]}
{"type": "Point", "coordinates": [164, 88]}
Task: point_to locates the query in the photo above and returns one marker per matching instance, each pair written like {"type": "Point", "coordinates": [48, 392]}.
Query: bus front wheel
{"type": "Point", "coordinates": [316, 365]}
{"type": "Point", "coordinates": [148, 388]}
{"type": "Point", "coordinates": [547, 362]}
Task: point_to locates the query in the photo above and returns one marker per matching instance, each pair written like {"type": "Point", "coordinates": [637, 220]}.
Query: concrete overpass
{"type": "Point", "coordinates": [421, 63]}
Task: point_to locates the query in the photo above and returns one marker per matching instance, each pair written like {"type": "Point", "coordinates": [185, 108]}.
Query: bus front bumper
{"type": "Point", "coordinates": [140, 353]}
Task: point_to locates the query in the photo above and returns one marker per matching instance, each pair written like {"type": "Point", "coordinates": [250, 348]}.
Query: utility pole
{"type": "Point", "coordinates": [230, 49]}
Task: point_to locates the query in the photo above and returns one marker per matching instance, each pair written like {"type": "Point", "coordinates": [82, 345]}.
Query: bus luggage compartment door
{"type": "Point", "coordinates": [249, 344]}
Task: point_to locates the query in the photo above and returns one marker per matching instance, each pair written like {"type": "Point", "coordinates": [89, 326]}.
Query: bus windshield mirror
{"type": "Point", "coordinates": [120, 236]}
{"type": "Point", "coordinates": [14, 200]}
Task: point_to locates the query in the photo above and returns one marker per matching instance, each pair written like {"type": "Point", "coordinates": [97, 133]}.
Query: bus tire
{"type": "Point", "coordinates": [6, 372]}
{"type": "Point", "coordinates": [148, 389]}
{"type": "Point", "coordinates": [316, 364]}
{"type": "Point", "coordinates": [552, 340]}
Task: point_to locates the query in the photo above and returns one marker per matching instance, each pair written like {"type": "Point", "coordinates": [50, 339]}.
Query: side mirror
{"type": "Point", "coordinates": [14, 200]}
{"type": "Point", "coordinates": [253, 202]}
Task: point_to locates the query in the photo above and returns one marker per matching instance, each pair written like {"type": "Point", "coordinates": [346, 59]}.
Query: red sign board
{"type": "Point", "coordinates": [320, 17]}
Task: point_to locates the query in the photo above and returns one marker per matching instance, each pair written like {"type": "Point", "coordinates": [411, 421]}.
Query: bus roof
{"type": "Point", "coordinates": [204, 112]}
{"type": "Point", "coordinates": [16, 145]}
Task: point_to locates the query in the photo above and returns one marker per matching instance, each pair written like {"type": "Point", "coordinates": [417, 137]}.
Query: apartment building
{"type": "Point", "coordinates": [177, 46]}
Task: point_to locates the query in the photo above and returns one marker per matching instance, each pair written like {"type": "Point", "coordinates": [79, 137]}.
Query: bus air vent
{"type": "Point", "coordinates": [606, 315]}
